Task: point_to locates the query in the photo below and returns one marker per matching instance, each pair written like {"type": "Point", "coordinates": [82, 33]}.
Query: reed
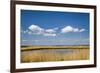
{"type": "Point", "coordinates": [81, 54]}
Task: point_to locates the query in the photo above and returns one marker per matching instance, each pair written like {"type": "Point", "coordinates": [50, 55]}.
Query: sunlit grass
{"type": "Point", "coordinates": [81, 54]}
{"type": "Point", "coordinates": [52, 47]}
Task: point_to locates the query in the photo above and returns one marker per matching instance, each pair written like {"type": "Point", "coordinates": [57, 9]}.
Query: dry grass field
{"type": "Point", "coordinates": [36, 53]}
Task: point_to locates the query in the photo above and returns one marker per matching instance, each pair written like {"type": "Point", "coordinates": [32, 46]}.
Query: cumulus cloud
{"type": "Point", "coordinates": [82, 30]}
{"type": "Point", "coordinates": [71, 29]}
{"type": "Point", "coordinates": [35, 29]}
{"type": "Point", "coordinates": [50, 31]}
{"type": "Point", "coordinates": [76, 30]}
{"type": "Point", "coordinates": [67, 29]}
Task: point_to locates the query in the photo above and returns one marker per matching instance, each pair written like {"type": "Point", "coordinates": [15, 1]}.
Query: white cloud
{"type": "Point", "coordinates": [67, 29]}
{"type": "Point", "coordinates": [71, 29]}
{"type": "Point", "coordinates": [35, 29]}
{"type": "Point", "coordinates": [50, 31]}
{"type": "Point", "coordinates": [75, 30]}
{"type": "Point", "coordinates": [82, 30]}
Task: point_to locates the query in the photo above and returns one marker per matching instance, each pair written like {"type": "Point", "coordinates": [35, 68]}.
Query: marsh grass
{"type": "Point", "coordinates": [26, 48]}
{"type": "Point", "coordinates": [81, 54]}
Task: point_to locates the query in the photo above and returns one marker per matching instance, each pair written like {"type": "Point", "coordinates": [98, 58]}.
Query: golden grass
{"type": "Point", "coordinates": [52, 47]}
{"type": "Point", "coordinates": [81, 54]}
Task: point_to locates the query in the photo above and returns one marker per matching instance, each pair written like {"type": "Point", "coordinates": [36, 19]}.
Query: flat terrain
{"type": "Point", "coordinates": [25, 48]}
{"type": "Point", "coordinates": [53, 53]}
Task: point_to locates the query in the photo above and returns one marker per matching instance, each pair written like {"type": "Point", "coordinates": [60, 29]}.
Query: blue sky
{"type": "Point", "coordinates": [54, 28]}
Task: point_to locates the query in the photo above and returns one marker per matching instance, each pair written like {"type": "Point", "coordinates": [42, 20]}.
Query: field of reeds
{"type": "Point", "coordinates": [48, 53]}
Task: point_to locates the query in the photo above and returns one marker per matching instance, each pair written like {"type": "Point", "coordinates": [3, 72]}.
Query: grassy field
{"type": "Point", "coordinates": [25, 48]}
{"type": "Point", "coordinates": [30, 53]}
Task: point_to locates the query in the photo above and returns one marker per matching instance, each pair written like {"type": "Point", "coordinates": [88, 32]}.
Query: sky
{"type": "Point", "coordinates": [54, 28]}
